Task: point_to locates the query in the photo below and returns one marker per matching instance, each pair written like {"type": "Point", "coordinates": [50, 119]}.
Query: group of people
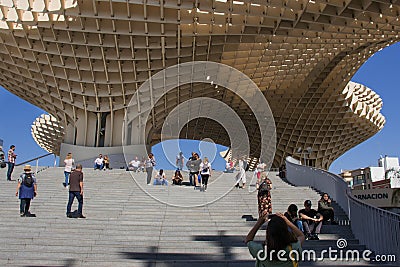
{"type": "Point", "coordinates": [102, 163]}
{"type": "Point", "coordinates": [74, 180]}
{"type": "Point", "coordinates": [286, 232]}
{"type": "Point", "coordinates": [27, 189]}
{"type": "Point", "coordinates": [160, 178]}
{"type": "Point", "coordinates": [309, 220]}
{"type": "Point", "coordinates": [243, 166]}
{"type": "Point", "coordinates": [199, 171]}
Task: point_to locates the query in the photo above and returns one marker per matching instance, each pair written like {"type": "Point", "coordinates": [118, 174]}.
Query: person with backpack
{"type": "Point", "coordinates": [26, 191]}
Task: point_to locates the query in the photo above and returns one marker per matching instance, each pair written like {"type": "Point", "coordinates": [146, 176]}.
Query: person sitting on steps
{"type": "Point", "coordinates": [312, 221]}
{"type": "Point", "coordinates": [326, 209]}
{"type": "Point", "coordinates": [160, 179]}
{"type": "Point", "coordinates": [278, 239]}
{"type": "Point", "coordinates": [291, 214]}
{"type": "Point", "coordinates": [177, 178]}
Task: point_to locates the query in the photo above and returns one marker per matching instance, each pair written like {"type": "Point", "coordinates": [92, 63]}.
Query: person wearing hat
{"type": "Point", "coordinates": [26, 191]}
{"type": "Point", "coordinates": [312, 221]}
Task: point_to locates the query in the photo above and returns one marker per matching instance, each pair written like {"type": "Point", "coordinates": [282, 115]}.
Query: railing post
{"type": "Point", "coordinates": [37, 166]}
{"type": "Point", "coordinates": [348, 206]}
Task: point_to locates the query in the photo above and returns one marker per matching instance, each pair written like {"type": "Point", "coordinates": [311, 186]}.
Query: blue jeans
{"type": "Point", "coordinates": [24, 205]}
{"type": "Point", "coordinates": [160, 182]}
{"type": "Point", "coordinates": [299, 225]}
{"type": "Point", "coordinates": [10, 170]}
{"type": "Point", "coordinates": [66, 174]}
{"type": "Point", "coordinates": [97, 166]}
{"type": "Point", "coordinates": [179, 166]}
{"type": "Point", "coordinates": [72, 196]}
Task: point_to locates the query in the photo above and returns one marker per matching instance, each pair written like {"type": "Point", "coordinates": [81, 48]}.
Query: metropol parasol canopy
{"type": "Point", "coordinates": [82, 61]}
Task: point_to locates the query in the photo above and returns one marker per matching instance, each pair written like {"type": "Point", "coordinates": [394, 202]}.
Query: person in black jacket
{"type": "Point", "coordinates": [312, 221]}
{"type": "Point", "coordinates": [326, 209]}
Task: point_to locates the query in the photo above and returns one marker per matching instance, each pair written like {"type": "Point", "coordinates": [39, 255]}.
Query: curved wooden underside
{"type": "Point", "coordinates": [82, 61]}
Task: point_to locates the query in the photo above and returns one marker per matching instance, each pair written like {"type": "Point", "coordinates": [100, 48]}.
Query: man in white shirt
{"type": "Point", "coordinates": [98, 163]}
{"type": "Point", "coordinates": [134, 165]}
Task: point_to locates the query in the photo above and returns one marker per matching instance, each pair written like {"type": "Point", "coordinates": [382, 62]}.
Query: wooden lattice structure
{"type": "Point", "coordinates": [82, 61]}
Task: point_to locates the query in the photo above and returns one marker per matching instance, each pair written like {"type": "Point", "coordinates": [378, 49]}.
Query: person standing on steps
{"type": "Point", "coordinates": [264, 195]}
{"type": "Point", "coordinates": [69, 163]}
{"type": "Point", "coordinates": [241, 176]}
{"type": "Point", "coordinates": [205, 172]}
{"type": "Point", "coordinates": [193, 165]}
{"type": "Point", "coordinates": [179, 161]}
{"type": "Point", "coordinates": [11, 162]}
{"type": "Point", "coordinates": [149, 164]}
{"type": "Point", "coordinates": [76, 191]}
{"type": "Point", "coordinates": [26, 191]}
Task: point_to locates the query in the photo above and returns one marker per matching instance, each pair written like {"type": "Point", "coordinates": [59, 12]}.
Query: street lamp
{"type": "Point", "coordinates": [304, 152]}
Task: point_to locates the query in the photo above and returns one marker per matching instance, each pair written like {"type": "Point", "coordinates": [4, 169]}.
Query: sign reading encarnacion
{"type": "Point", "coordinates": [380, 197]}
{"type": "Point", "coordinates": [372, 196]}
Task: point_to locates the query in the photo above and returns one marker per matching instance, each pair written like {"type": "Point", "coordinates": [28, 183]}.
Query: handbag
{"type": "Point", "coordinates": [199, 178]}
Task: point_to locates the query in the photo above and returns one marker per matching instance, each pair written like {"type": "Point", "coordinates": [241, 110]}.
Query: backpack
{"type": "Point", "coordinates": [28, 180]}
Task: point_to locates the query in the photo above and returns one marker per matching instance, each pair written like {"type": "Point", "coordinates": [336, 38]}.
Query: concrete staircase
{"type": "Point", "coordinates": [132, 224]}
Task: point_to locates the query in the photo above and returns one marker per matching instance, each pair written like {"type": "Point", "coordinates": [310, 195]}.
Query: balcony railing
{"type": "Point", "coordinates": [376, 228]}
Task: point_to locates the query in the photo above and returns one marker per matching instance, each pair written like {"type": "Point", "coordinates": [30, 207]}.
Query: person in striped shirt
{"type": "Point", "coordinates": [11, 162]}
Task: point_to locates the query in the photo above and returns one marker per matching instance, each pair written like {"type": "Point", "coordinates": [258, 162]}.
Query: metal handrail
{"type": "Point", "coordinates": [30, 160]}
{"type": "Point", "coordinates": [374, 227]}
{"type": "Point", "coordinates": [37, 161]}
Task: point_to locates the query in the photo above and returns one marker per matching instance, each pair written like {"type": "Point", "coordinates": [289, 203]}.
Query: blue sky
{"type": "Point", "coordinates": [381, 73]}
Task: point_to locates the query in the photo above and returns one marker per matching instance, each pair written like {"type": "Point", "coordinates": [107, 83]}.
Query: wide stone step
{"type": "Point", "coordinates": [129, 225]}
